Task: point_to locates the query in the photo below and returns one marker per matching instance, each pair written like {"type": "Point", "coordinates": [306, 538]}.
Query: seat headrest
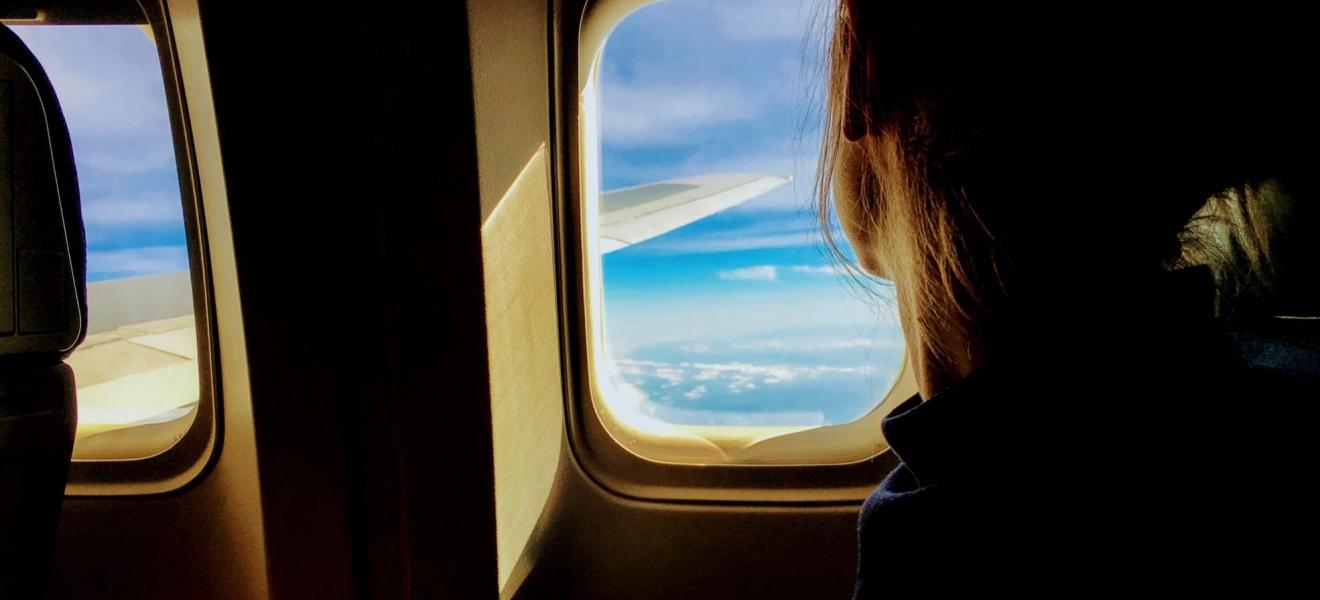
{"type": "Point", "coordinates": [43, 251]}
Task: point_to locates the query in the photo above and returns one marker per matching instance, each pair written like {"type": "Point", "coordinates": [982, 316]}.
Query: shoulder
{"type": "Point", "coordinates": [895, 531]}
{"type": "Point", "coordinates": [899, 494]}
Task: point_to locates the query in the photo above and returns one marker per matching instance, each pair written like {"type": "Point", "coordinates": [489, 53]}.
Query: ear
{"type": "Point", "coordinates": [855, 85]}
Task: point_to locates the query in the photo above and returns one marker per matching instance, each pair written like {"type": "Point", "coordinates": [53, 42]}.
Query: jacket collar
{"type": "Point", "coordinates": [946, 433]}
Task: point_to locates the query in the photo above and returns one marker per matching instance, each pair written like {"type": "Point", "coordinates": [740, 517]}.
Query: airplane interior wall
{"type": "Point", "coordinates": [350, 167]}
{"type": "Point", "coordinates": [364, 451]}
{"type": "Point", "coordinates": [572, 537]}
{"type": "Point", "coordinates": [351, 156]}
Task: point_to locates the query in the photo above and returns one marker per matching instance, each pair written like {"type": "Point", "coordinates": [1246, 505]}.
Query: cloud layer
{"type": "Point", "coordinates": [735, 377]}
{"type": "Point", "coordinates": [744, 393]}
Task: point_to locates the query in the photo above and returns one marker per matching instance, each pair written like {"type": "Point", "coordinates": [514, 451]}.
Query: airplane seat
{"type": "Point", "coordinates": [1287, 347]}
{"type": "Point", "coordinates": [43, 312]}
{"type": "Point", "coordinates": [1282, 356]}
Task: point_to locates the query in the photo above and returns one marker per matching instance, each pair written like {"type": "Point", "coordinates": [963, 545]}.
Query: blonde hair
{"type": "Point", "coordinates": [957, 279]}
{"type": "Point", "coordinates": [1255, 241]}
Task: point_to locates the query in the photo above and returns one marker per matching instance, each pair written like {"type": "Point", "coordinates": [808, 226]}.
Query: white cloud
{"type": "Point", "coordinates": [744, 374]}
{"type": "Point", "coordinates": [760, 273]}
{"type": "Point", "coordinates": [677, 74]}
{"type": "Point", "coordinates": [137, 261]}
{"type": "Point", "coordinates": [122, 157]}
{"type": "Point", "coordinates": [735, 376]}
{"type": "Point", "coordinates": [145, 209]}
{"type": "Point", "coordinates": [658, 114]}
{"type": "Point", "coordinates": [778, 372]}
{"type": "Point", "coordinates": [715, 384]}
{"type": "Point", "coordinates": [630, 367]}
{"type": "Point", "coordinates": [109, 85]}
{"type": "Point", "coordinates": [672, 376]}
{"type": "Point", "coordinates": [764, 20]}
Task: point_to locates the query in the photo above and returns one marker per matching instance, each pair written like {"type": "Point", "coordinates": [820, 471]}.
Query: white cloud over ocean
{"type": "Point", "coordinates": [732, 376]}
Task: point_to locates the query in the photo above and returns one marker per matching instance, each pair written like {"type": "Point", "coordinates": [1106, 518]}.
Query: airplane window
{"type": "Point", "coordinates": [722, 305]}
{"type": "Point", "coordinates": [137, 372]}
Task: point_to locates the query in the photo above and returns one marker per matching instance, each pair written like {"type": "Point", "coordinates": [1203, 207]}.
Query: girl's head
{"type": "Point", "coordinates": [1002, 169]}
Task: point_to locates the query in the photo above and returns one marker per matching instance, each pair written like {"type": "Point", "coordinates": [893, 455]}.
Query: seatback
{"type": "Point", "coordinates": [43, 312]}
{"type": "Point", "coordinates": [1288, 346]}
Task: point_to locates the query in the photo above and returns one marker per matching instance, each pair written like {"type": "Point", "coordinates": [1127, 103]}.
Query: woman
{"type": "Point", "coordinates": [1025, 180]}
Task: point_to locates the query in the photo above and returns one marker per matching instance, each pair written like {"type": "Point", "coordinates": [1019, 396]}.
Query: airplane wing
{"type": "Point", "coordinates": [635, 214]}
{"type": "Point", "coordinates": [137, 370]}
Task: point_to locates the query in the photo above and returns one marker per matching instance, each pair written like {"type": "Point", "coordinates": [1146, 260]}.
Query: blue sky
{"type": "Point", "coordinates": [108, 81]}
{"type": "Point", "coordinates": [740, 318]}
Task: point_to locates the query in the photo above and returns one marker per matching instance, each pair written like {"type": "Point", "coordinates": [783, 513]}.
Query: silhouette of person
{"type": "Point", "coordinates": [1030, 183]}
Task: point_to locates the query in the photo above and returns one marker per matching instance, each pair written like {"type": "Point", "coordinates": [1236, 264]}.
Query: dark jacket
{"type": "Point", "coordinates": [1140, 456]}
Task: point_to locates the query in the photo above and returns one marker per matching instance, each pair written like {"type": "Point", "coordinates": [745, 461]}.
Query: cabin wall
{"type": "Point", "coordinates": [510, 74]}
{"type": "Point", "coordinates": [352, 164]}
{"type": "Point", "coordinates": [395, 363]}
{"type": "Point", "coordinates": [560, 534]}
{"type": "Point", "coordinates": [359, 464]}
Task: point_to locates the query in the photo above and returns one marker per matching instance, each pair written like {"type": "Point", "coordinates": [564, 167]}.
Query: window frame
{"type": "Point", "coordinates": [579, 35]}
{"type": "Point", "coordinates": [195, 452]}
